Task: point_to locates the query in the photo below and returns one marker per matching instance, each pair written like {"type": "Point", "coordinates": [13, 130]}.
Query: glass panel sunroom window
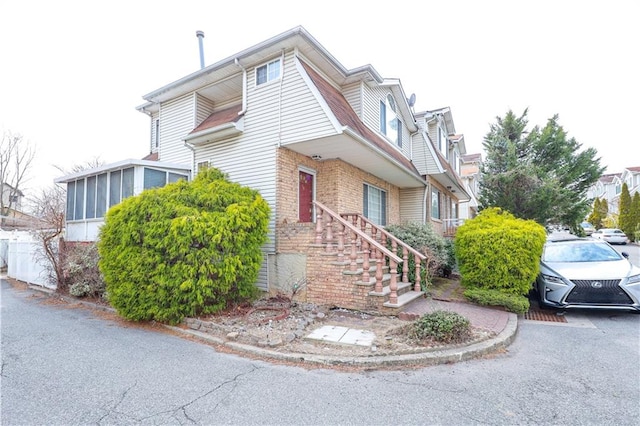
{"type": "Point", "coordinates": [154, 178]}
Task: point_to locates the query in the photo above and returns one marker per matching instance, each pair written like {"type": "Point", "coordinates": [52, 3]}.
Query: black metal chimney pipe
{"type": "Point", "coordinates": [200, 35]}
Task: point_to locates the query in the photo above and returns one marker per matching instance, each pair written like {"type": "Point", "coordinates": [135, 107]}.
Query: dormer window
{"type": "Point", "coordinates": [268, 72]}
{"type": "Point", "coordinates": [443, 144]}
{"type": "Point", "coordinates": [390, 124]}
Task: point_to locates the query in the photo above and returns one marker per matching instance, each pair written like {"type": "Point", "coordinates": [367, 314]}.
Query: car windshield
{"type": "Point", "coordinates": [579, 253]}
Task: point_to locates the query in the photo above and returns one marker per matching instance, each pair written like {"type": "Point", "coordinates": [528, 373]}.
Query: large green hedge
{"type": "Point", "coordinates": [497, 251]}
{"type": "Point", "coordinates": [186, 249]}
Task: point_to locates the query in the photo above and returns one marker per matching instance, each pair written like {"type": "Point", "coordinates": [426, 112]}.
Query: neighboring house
{"type": "Point", "coordinates": [338, 154]}
{"type": "Point", "coordinates": [631, 176]}
{"type": "Point", "coordinates": [11, 197]}
{"type": "Point", "coordinates": [470, 175]}
{"type": "Point", "coordinates": [437, 150]}
{"type": "Point", "coordinates": [13, 216]}
{"type": "Point", "coordinates": [609, 187]}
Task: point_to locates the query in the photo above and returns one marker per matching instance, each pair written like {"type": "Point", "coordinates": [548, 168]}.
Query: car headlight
{"type": "Point", "coordinates": [552, 279]}
{"type": "Point", "coordinates": [633, 279]}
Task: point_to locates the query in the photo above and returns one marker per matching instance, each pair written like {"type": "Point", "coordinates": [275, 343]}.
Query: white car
{"type": "Point", "coordinates": [586, 273]}
{"type": "Point", "coordinates": [610, 235]}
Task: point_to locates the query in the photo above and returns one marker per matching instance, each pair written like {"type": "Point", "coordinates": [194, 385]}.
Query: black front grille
{"type": "Point", "coordinates": [607, 292]}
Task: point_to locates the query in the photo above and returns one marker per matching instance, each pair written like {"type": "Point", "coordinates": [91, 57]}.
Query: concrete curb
{"type": "Point", "coordinates": [444, 356]}
{"type": "Point", "coordinates": [429, 357]}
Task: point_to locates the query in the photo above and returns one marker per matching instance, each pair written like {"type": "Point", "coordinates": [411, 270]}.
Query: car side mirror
{"type": "Point", "coordinates": [625, 254]}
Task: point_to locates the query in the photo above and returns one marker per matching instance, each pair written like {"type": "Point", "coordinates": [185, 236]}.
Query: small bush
{"type": "Point", "coordinates": [511, 302]}
{"type": "Point", "coordinates": [81, 272]}
{"type": "Point", "coordinates": [442, 326]}
{"type": "Point", "coordinates": [80, 289]}
{"type": "Point", "coordinates": [422, 237]}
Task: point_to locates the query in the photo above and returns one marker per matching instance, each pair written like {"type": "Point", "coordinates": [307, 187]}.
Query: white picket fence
{"type": "Point", "coordinates": [18, 253]}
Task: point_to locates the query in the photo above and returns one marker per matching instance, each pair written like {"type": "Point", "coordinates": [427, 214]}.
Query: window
{"type": "Point", "coordinates": [101, 195]}
{"type": "Point", "coordinates": [91, 197]}
{"type": "Point", "coordinates": [390, 124]}
{"type": "Point", "coordinates": [71, 199]}
{"type": "Point", "coordinates": [108, 189]}
{"type": "Point", "coordinates": [442, 142]}
{"type": "Point", "coordinates": [114, 187]}
{"type": "Point", "coordinates": [374, 204]}
{"type": "Point", "coordinates": [202, 166]}
{"type": "Point", "coordinates": [158, 178]}
{"type": "Point", "coordinates": [435, 204]}
{"type": "Point", "coordinates": [127, 183]}
{"type": "Point", "coordinates": [268, 72]}
{"type": "Point", "coordinates": [154, 178]}
{"type": "Point", "coordinates": [78, 213]}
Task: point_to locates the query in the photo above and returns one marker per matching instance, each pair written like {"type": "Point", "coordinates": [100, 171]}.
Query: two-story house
{"type": "Point", "coordinates": [470, 175]}
{"type": "Point", "coordinates": [609, 187]}
{"type": "Point", "coordinates": [337, 153]}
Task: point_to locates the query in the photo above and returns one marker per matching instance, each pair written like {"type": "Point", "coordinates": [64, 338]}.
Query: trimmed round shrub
{"type": "Point", "coordinates": [497, 251]}
{"type": "Point", "coordinates": [186, 249]}
{"type": "Point", "coordinates": [442, 326]}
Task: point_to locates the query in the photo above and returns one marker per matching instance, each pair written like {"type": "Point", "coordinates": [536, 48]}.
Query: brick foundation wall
{"type": "Point", "coordinates": [339, 187]}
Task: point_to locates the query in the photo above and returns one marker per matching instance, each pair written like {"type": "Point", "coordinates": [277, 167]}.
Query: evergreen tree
{"type": "Point", "coordinates": [635, 211]}
{"type": "Point", "coordinates": [625, 218]}
{"type": "Point", "coordinates": [599, 212]}
{"type": "Point", "coordinates": [540, 175]}
{"type": "Point", "coordinates": [594, 218]}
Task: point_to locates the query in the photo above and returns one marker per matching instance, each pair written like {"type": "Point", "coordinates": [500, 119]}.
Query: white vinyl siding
{"type": "Point", "coordinates": [177, 119]}
{"type": "Point", "coordinates": [422, 154]}
{"type": "Point", "coordinates": [250, 159]}
{"type": "Point", "coordinates": [353, 95]}
{"type": "Point", "coordinates": [204, 108]}
{"type": "Point", "coordinates": [303, 117]}
{"type": "Point", "coordinates": [412, 205]}
{"type": "Point", "coordinates": [371, 115]}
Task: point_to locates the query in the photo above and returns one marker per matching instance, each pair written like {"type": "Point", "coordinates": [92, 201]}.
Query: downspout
{"type": "Point", "coordinates": [193, 158]}
{"type": "Point", "coordinates": [244, 87]}
{"type": "Point", "coordinates": [280, 101]}
{"type": "Point", "coordinates": [425, 211]}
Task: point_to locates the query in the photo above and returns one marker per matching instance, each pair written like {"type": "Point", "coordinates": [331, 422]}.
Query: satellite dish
{"type": "Point", "coordinates": [412, 100]}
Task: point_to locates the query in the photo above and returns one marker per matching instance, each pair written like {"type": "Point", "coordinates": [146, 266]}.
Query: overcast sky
{"type": "Point", "coordinates": [72, 72]}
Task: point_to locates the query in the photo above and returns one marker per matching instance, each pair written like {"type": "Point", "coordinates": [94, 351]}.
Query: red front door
{"type": "Point", "coordinates": [305, 197]}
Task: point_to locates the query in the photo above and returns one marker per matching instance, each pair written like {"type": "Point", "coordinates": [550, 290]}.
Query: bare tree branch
{"type": "Point", "coordinates": [49, 207]}
{"type": "Point", "coordinates": [16, 157]}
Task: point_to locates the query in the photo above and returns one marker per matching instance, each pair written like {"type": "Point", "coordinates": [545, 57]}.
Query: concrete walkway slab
{"type": "Point", "coordinates": [342, 335]}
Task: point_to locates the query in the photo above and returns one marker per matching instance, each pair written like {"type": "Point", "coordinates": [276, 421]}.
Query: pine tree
{"type": "Point", "coordinates": [541, 175]}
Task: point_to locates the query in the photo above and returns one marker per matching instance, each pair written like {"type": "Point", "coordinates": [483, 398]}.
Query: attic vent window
{"type": "Point", "coordinates": [268, 72]}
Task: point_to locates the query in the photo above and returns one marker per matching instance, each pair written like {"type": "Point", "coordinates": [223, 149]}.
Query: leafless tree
{"type": "Point", "coordinates": [90, 164]}
{"type": "Point", "coordinates": [16, 156]}
{"type": "Point", "coordinates": [49, 208]}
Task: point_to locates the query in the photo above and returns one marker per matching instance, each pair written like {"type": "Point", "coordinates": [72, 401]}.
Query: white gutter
{"type": "Point", "coordinates": [244, 87]}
